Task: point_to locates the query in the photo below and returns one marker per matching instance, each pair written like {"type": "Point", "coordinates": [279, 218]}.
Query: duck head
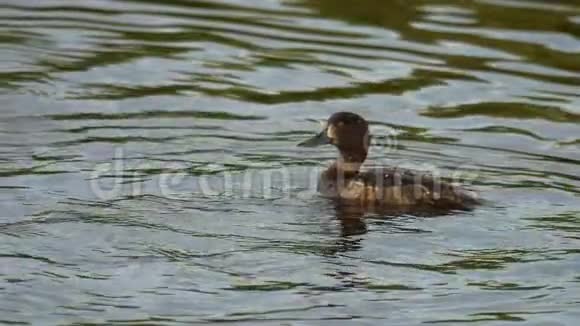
{"type": "Point", "coordinates": [348, 132]}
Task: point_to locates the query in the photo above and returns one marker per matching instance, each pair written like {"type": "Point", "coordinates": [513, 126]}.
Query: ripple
{"type": "Point", "coordinates": [154, 115]}
{"type": "Point", "coordinates": [505, 110]}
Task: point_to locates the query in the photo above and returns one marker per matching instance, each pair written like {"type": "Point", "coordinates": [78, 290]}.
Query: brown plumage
{"type": "Point", "coordinates": [384, 187]}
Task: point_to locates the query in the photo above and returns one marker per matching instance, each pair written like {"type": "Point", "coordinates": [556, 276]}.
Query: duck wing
{"type": "Point", "coordinates": [395, 186]}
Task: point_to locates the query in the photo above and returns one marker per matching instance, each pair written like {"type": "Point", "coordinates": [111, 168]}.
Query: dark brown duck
{"type": "Point", "coordinates": [387, 187]}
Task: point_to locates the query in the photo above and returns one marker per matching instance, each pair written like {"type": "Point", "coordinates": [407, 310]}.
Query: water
{"type": "Point", "coordinates": [127, 129]}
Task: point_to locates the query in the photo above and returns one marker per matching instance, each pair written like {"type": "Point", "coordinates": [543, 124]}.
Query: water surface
{"type": "Point", "coordinates": [130, 129]}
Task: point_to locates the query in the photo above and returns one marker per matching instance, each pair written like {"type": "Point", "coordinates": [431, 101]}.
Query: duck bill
{"type": "Point", "coordinates": [318, 140]}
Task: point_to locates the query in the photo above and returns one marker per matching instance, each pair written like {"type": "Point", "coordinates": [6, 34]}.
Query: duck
{"type": "Point", "coordinates": [388, 186]}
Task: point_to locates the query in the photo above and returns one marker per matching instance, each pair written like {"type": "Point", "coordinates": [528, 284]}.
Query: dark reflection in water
{"type": "Point", "coordinates": [127, 128]}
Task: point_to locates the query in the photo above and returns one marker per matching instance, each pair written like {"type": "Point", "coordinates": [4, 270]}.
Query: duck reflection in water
{"type": "Point", "coordinates": [353, 223]}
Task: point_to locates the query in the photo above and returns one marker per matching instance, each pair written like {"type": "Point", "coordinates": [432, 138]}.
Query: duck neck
{"type": "Point", "coordinates": [349, 162]}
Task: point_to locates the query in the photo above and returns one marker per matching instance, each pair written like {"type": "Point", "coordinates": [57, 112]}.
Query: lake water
{"type": "Point", "coordinates": [149, 173]}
